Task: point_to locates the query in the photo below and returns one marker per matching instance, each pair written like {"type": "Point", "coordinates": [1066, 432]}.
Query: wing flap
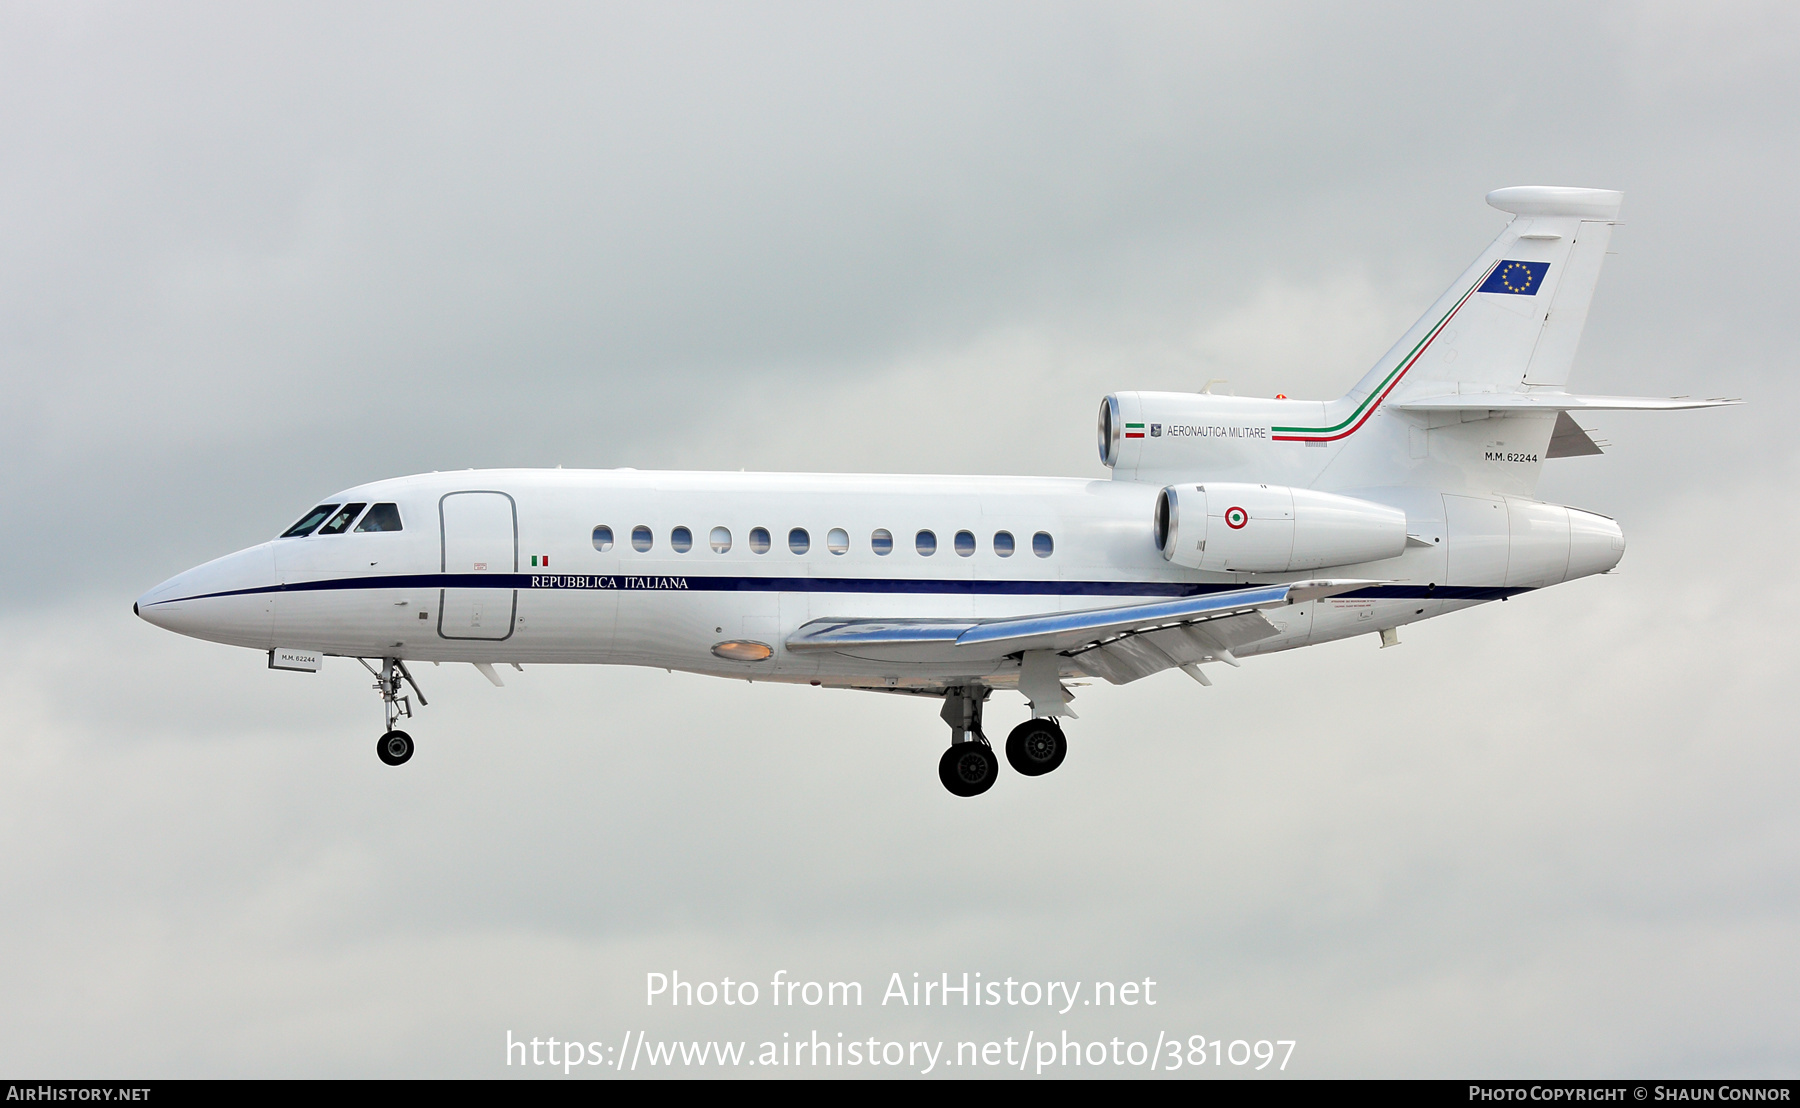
{"type": "Point", "coordinates": [1125, 660]}
{"type": "Point", "coordinates": [1135, 656]}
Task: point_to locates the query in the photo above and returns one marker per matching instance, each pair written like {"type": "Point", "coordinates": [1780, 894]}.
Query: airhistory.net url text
{"type": "Point", "coordinates": [635, 1053]}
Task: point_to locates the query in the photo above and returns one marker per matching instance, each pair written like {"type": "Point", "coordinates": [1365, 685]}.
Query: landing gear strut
{"type": "Point", "coordinates": [395, 746]}
{"type": "Point", "coordinates": [969, 767]}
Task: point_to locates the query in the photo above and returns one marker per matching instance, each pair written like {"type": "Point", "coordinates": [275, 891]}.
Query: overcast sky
{"type": "Point", "coordinates": [250, 254]}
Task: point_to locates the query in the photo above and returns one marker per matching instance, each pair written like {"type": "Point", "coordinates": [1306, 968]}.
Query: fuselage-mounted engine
{"type": "Point", "coordinates": [1243, 528]}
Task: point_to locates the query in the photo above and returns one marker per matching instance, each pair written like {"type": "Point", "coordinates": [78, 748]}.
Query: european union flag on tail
{"type": "Point", "coordinates": [1516, 278]}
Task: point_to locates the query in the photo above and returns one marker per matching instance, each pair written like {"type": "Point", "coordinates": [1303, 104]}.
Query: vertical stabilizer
{"type": "Point", "coordinates": [1470, 400]}
{"type": "Point", "coordinates": [1509, 325]}
{"type": "Point", "coordinates": [1514, 317]}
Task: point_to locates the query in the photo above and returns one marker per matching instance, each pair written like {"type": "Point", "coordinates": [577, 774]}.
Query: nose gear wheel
{"type": "Point", "coordinates": [394, 748]}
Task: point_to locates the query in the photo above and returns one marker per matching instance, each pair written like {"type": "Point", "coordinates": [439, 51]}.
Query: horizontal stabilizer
{"type": "Point", "coordinates": [1066, 632]}
{"type": "Point", "coordinates": [1555, 402]}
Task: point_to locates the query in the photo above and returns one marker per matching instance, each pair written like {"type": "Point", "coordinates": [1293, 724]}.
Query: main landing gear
{"type": "Point", "coordinates": [1036, 747]}
{"type": "Point", "coordinates": [395, 746]}
{"type": "Point", "coordinates": [970, 766]}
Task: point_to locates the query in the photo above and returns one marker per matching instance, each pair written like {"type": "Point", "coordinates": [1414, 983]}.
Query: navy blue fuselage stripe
{"type": "Point", "coordinates": [630, 582]}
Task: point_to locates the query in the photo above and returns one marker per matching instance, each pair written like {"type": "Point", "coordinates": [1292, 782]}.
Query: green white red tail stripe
{"type": "Point", "coordinates": [1354, 421]}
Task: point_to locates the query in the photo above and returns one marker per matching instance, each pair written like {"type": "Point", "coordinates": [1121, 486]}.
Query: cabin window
{"type": "Point", "coordinates": [603, 538]}
{"type": "Point", "coordinates": [1042, 545]}
{"type": "Point", "coordinates": [720, 540]}
{"type": "Point", "coordinates": [641, 538]}
{"type": "Point", "coordinates": [925, 543]}
{"type": "Point", "coordinates": [964, 543]}
{"type": "Point", "coordinates": [382, 517]}
{"type": "Point", "coordinates": [309, 521]}
{"type": "Point", "coordinates": [1003, 543]}
{"type": "Point", "coordinates": [682, 540]}
{"type": "Point", "coordinates": [342, 520]}
{"type": "Point", "coordinates": [882, 541]}
{"type": "Point", "coordinates": [759, 540]}
{"type": "Point", "coordinates": [799, 541]}
{"type": "Point", "coordinates": [838, 542]}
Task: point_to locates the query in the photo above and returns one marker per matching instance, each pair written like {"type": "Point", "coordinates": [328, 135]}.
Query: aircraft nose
{"type": "Point", "coordinates": [144, 606]}
{"type": "Point", "coordinates": [163, 604]}
{"type": "Point", "coordinates": [229, 599]}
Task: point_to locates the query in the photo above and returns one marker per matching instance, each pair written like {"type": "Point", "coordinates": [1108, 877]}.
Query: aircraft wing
{"type": "Point", "coordinates": [1120, 643]}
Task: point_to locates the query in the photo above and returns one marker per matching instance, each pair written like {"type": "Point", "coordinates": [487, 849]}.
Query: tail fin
{"type": "Point", "coordinates": [1469, 399]}
{"type": "Point", "coordinates": [1508, 326]}
{"type": "Point", "coordinates": [1535, 283]}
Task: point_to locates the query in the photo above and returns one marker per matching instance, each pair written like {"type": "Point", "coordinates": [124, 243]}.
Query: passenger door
{"type": "Point", "coordinates": [481, 538]}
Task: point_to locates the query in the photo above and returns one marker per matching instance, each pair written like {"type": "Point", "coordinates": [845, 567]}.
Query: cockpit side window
{"type": "Point", "coordinates": [309, 521]}
{"type": "Point", "coordinates": [382, 517]}
{"type": "Point", "coordinates": [342, 520]}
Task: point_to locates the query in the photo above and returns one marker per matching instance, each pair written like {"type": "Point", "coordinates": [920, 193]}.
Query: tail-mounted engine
{"type": "Point", "coordinates": [1273, 528]}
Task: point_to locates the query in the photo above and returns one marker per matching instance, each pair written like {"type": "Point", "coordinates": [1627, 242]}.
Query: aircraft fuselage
{"type": "Point", "coordinates": [504, 566]}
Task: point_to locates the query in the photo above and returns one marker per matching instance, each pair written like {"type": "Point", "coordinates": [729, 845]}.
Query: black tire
{"type": "Point", "coordinates": [969, 769]}
{"type": "Point", "coordinates": [1036, 747]}
{"type": "Point", "coordinates": [394, 748]}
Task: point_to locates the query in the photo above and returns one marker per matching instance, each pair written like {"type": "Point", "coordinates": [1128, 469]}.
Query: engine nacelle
{"type": "Point", "coordinates": [1232, 527]}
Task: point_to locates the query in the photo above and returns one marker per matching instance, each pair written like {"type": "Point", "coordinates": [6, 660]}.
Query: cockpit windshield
{"type": "Point", "coordinates": [382, 517]}
{"type": "Point", "coordinates": [341, 522]}
{"type": "Point", "coordinates": [309, 521]}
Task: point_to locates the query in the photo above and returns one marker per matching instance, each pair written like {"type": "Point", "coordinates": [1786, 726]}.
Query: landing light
{"type": "Point", "coordinates": [743, 651]}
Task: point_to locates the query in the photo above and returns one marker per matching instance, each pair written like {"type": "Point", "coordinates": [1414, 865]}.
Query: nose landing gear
{"type": "Point", "coordinates": [395, 746]}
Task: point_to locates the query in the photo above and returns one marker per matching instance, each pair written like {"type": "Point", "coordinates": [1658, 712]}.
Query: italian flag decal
{"type": "Point", "coordinates": [540, 560]}
{"type": "Point", "coordinates": [1134, 430]}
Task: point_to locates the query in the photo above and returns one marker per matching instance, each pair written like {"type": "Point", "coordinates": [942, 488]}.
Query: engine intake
{"type": "Point", "coordinates": [1231, 527]}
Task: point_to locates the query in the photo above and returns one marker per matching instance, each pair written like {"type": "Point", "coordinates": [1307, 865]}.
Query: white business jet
{"type": "Point", "coordinates": [1231, 527]}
